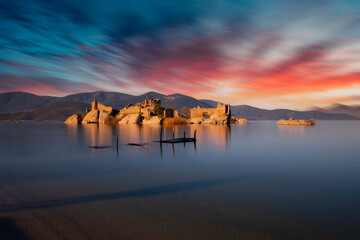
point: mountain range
(26, 106)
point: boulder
(74, 119)
(152, 120)
(91, 117)
(196, 120)
(131, 119)
(110, 120)
(103, 115)
(209, 121)
(242, 121)
(120, 116)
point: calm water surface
(254, 181)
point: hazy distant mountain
(210, 102)
(113, 99)
(25, 106)
(120, 100)
(344, 109)
(21, 101)
(253, 113)
(51, 111)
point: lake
(254, 181)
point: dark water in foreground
(255, 181)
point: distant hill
(120, 100)
(253, 113)
(340, 108)
(25, 106)
(210, 102)
(20, 101)
(51, 111)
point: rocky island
(299, 122)
(151, 112)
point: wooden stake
(117, 142)
(195, 134)
(173, 133)
(161, 133)
(184, 134)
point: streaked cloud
(243, 52)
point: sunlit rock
(134, 118)
(152, 120)
(291, 121)
(74, 119)
(103, 115)
(91, 117)
(242, 121)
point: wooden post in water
(195, 135)
(161, 133)
(117, 145)
(173, 134)
(184, 134)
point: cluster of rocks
(292, 121)
(151, 112)
(132, 114)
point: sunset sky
(269, 54)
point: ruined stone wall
(131, 110)
(145, 108)
(95, 105)
(220, 114)
(171, 113)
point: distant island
(15, 106)
(297, 122)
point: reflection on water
(106, 135)
(254, 181)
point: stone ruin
(170, 113)
(98, 113)
(147, 113)
(139, 112)
(219, 115)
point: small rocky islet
(297, 122)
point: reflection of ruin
(219, 115)
(98, 135)
(214, 134)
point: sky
(269, 54)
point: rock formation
(133, 118)
(74, 119)
(219, 115)
(151, 112)
(152, 120)
(291, 121)
(91, 117)
(169, 112)
(242, 121)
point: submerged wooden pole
(161, 133)
(117, 145)
(184, 134)
(195, 135)
(173, 134)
